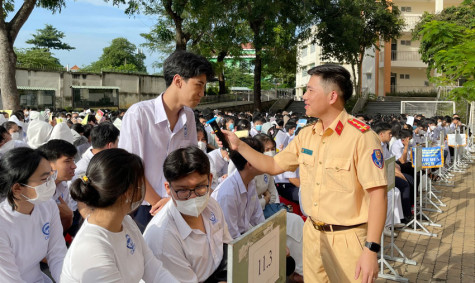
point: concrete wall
(133, 87)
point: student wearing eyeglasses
(189, 233)
(30, 226)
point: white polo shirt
(98, 255)
(26, 239)
(241, 207)
(189, 254)
(146, 132)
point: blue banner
(432, 157)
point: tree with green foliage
(274, 30)
(9, 31)
(346, 28)
(448, 47)
(121, 55)
(36, 58)
(49, 38)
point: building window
(89, 97)
(304, 72)
(406, 76)
(406, 42)
(401, 76)
(84, 76)
(76, 76)
(312, 48)
(406, 9)
(369, 76)
(40, 99)
(426, 83)
(304, 51)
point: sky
(88, 25)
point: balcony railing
(411, 21)
(415, 89)
(406, 56)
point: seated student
(30, 227)
(103, 136)
(61, 154)
(188, 234)
(220, 159)
(237, 194)
(109, 246)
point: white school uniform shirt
(26, 239)
(145, 131)
(264, 183)
(98, 255)
(62, 190)
(240, 206)
(397, 148)
(386, 153)
(81, 165)
(189, 254)
(220, 166)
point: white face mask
(439, 124)
(136, 204)
(432, 127)
(44, 192)
(411, 141)
(202, 146)
(15, 136)
(193, 206)
(270, 153)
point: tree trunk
(221, 79)
(10, 97)
(355, 82)
(8, 34)
(257, 78)
(360, 74)
(180, 37)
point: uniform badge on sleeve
(377, 157)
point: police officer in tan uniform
(343, 182)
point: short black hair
(187, 65)
(290, 125)
(103, 134)
(55, 149)
(185, 161)
(78, 128)
(405, 134)
(238, 160)
(243, 124)
(380, 127)
(336, 74)
(17, 166)
(264, 138)
(108, 179)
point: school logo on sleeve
(130, 244)
(45, 230)
(266, 179)
(185, 129)
(213, 218)
(377, 157)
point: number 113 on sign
(264, 259)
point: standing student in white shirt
(30, 227)
(109, 246)
(189, 233)
(154, 128)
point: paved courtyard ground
(449, 257)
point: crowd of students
(147, 194)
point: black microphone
(218, 133)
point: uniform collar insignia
(339, 128)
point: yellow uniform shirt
(337, 166)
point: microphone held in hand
(218, 133)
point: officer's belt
(323, 227)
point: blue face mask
(231, 126)
(414, 127)
(258, 128)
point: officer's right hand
(233, 140)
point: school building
(72, 89)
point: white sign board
(391, 172)
(258, 256)
(410, 120)
(456, 140)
